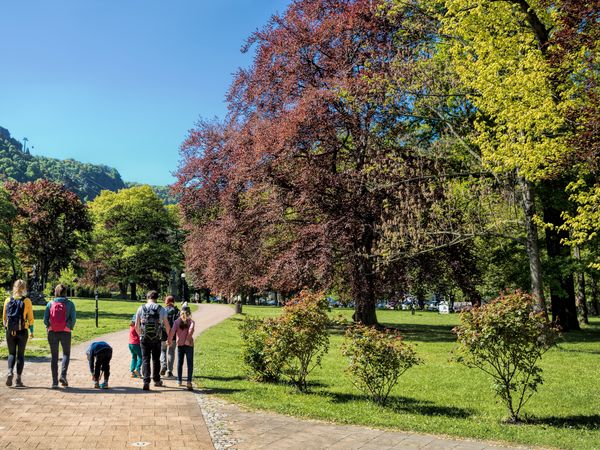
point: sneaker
(133, 375)
(18, 382)
(163, 371)
(190, 387)
(179, 383)
(170, 374)
(9, 379)
(96, 385)
(146, 387)
(104, 385)
(63, 381)
(137, 373)
(55, 386)
(158, 384)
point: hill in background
(86, 180)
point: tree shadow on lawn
(408, 405)
(424, 333)
(219, 378)
(591, 422)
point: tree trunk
(562, 291)
(362, 285)
(580, 301)
(594, 295)
(533, 250)
(133, 288)
(122, 290)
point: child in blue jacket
(99, 355)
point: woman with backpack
(59, 318)
(167, 352)
(17, 317)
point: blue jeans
(64, 338)
(186, 351)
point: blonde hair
(19, 288)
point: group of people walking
(155, 332)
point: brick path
(81, 417)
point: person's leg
(189, 353)
(53, 342)
(22, 335)
(146, 354)
(11, 342)
(156, 362)
(171, 357)
(163, 357)
(180, 353)
(106, 364)
(133, 364)
(65, 343)
(138, 350)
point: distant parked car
(432, 306)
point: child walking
(99, 355)
(183, 329)
(136, 350)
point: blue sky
(120, 82)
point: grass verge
(440, 396)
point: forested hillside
(86, 180)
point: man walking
(149, 322)
(59, 318)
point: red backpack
(58, 316)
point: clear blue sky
(120, 82)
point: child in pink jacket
(183, 328)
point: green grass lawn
(439, 396)
(114, 315)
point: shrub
(259, 357)
(506, 340)
(301, 337)
(377, 360)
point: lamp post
(183, 287)
(96, 294)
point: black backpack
(172, 314)
(150, 324)
(14, 315)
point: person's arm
(4, 314)
(47, 315)
(192, 328)
(72, 315)
(28, 313)
(166, 324)
(138, 328)
(172, 333)
(90, 356)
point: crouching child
(99, 355)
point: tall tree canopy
(133, 237)
(51, 225)
(321, 156)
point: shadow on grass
(218, 391)
(424, 333)
(125, 316)
(218, 378)
(408, 405)
(591, 422)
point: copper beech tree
(318, 159)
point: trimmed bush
(377, 360)
(506, 340)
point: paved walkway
(80, 417)
(243, 429)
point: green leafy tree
(132, 237)
(8, 255)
